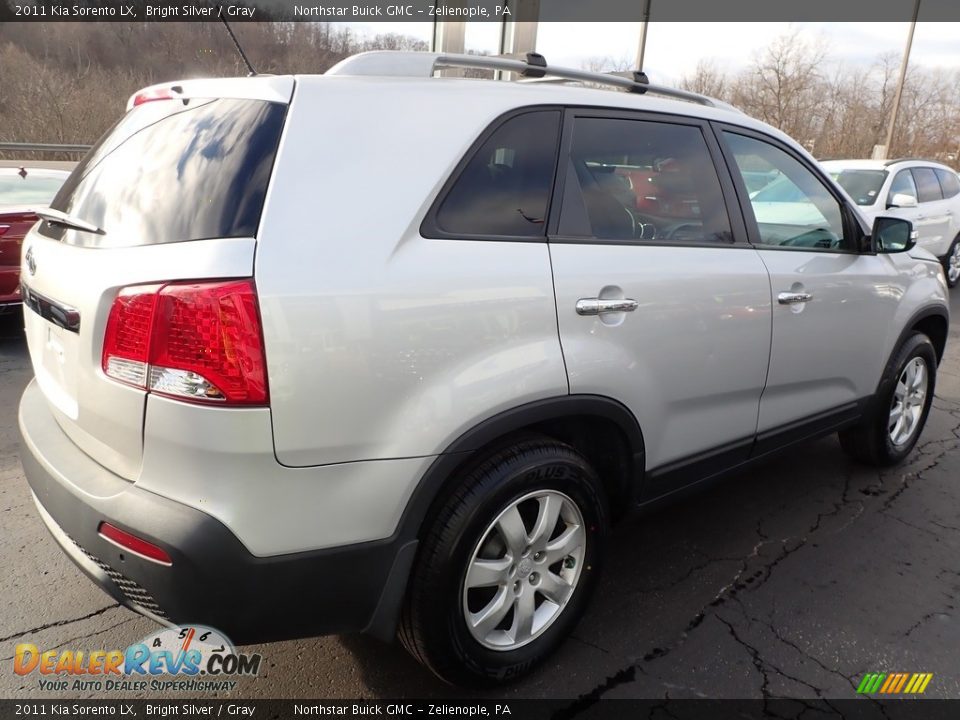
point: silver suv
(380, 351)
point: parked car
(924, 192)
(274, 399)
(22, 189)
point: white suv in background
(378, 351)
(924, 192)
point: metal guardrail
(43, 147)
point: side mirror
(893, 235)
(902, 200)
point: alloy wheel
(524, 570)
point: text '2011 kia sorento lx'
(301, 371)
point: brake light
(197, 341)
(133, 543)
(151, 94)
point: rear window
(176, 170)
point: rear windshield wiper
(61, 218)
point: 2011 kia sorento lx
(301, 370)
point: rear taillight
(198, 341)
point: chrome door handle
(597, 306)
(793, 298)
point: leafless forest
(67, 82)
(841, 111)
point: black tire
(433, 627)
(945, 260)
(870, 441)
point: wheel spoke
(523, 613)
(554, 588)
(901, 390)
(919, 371)
(897, 431)
(910, 374)
(513, 531)
(895, 414)
(546, 520)
(496, 610)
(565, 543)
(483, 573)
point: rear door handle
(794, 298)
(598, 306)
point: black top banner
(477, 10)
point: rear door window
(640, 180)
(928, 187)
(175, 170)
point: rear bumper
(213, 579)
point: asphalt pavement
(793, 579)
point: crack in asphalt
(85, 636)
(789, 546)
(59, 623)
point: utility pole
(643, 34)
(903, 75)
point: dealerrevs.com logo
(187, 658)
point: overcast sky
(673, 49)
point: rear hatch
(176, 189)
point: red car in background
(22, 190)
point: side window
(504, 188)
(903, 184)
(928, 187)
(637, 180)
(794, 209)
(949, 183)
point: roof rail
(532, 65)
(887, 163)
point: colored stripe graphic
(894, 683)
(914, 682)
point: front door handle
(599, 306)
(794, 298)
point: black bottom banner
(857, 709)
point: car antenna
(236, 43)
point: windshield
(30, 190)
(176, 170)
(862, 185)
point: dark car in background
(23, 189)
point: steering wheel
(644, 227)
(818, 238)
(673, 231)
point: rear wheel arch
(603, 430)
